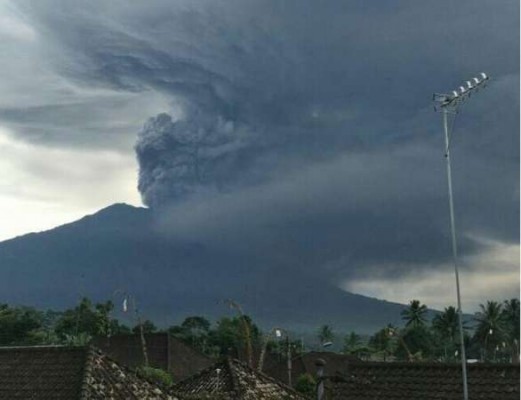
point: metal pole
(289, 360)
(455, 256)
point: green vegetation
(355, 345)
(492, 335)
(156, 375)
(415, 315)
(306, 384)
(325, 334)
(20, 325)
(228, 337)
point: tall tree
(19, 325)
(196, 325)
(491, 328)
(86, 318)
(445, 325)
(415, 314)
(352, 343)
(193, 330)
(325, 334)
(229, 336)
(511, 317)
(382, 342)
(415, 343)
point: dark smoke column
(194, 156)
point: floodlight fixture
(449, 104)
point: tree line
(25, 326)
(491, 335)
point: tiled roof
(231, 379)
(105, 379)
(57, 372)
(41, 372)
(164, 351)
(424, 381)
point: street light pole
(449, 103)
(455, 256)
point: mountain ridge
(118, 248)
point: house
(231, 379)
(69, 373)
(422, 381)
(163, 351)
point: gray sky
(297, 131)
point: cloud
(45, 187)
(493, 274)
(12, 24)
(42, 105)
(299, 134)
(341, 216)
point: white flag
(125, 304)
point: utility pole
(288, 355)
(449, 104)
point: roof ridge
(105, 359)
(87, 370)
(236, 387)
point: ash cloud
(194, 156)
(264, 94)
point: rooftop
(423, 381)
(60, 372)
(232, 379)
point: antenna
(449, 104)
(452, 100)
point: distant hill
(118, 248)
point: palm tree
(511, 318)
(325, 334)
(491, 329)
(352, 343)
(382, 342)
(415, 314)
(445, 325)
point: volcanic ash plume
(192, 156)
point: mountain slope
(118, 248)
